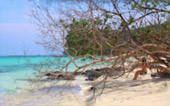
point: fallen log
(59, 76)
(91, 75)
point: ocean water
(15, 72)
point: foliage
(79, 38)
(124, 31)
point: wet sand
(120, 92)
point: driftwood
(96, 73)
(91, 75)
(59, 76)
(161, 74)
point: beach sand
(120, 92)
(145, 92)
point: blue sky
(16, 29)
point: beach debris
(91, 75)
(59, 76)
(161, 75)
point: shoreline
(123, 92)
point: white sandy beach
(120, 92)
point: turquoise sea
(16, 71)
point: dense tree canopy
(141, 22)
(79, 39)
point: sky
(17, 32)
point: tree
(127, 29)
(79, 35)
